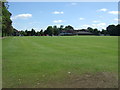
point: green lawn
(27, 60)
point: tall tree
(50, 31)
(112, 30)
(41, 33)
(26, 33)
(56, 30)
(7, 28)
(33, 32)
(61, 28)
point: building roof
(88, 33)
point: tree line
(8, 30)
(50, 31)
(112, 30)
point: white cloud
(114, 12)
(95, 21)
(21, 16)
(58, 21)
(98, 26)
(103, 9)
(85, 26)
(81, 18)
(101, 24)
(57, 12)
(116, 19)
(73, 3)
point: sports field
(60, 61)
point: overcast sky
(38, 15)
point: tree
(37, 33)
(45, 32)
(104, 32)
(7, 28)
(26, 33)
(56, 30)
(61, 28)
(22, 33)
(96, 31)
(50, 31)
(112, 30)
(33, 32)
(69, 28)
(118, 29)
(15, 32)
(90, 29)
(41, 33)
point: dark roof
(84, 33)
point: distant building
(75, 32)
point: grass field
(43, 61)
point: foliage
(69, 28)
(94, 31)
(7, 28)
(105, 32)
(50, 31)
(54, 30)
(114, 30)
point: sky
(80, 15)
